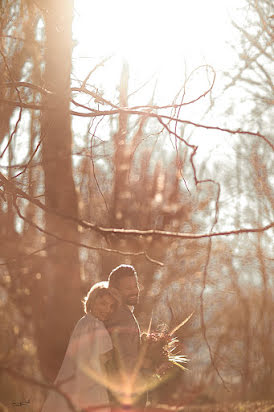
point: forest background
(98, 168)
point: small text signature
(21, 403)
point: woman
(82, 371)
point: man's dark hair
(121, 272)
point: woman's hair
(99, 289)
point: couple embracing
(102, 364)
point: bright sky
(154, 36)
(158, 38)
(161, 40)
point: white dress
(88, 342)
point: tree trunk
(61, 303)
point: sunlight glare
(162, 41)
(152, 34)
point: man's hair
(121, 272)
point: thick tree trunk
(61, 304)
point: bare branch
(93, 166)
(35, 382)
(10, 187)
(205, 273)
(25, 84)
(13, 132)
(94, 69)
(30, 160)
(98, 113)
(78, 244)
(26, 255)
(20, 110)
(32, 106)
(179, 105)
(96, 96)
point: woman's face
(104, 307)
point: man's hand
(161, 370)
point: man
(125, 334)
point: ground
(258, 406)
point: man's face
(129, 290)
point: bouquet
(161, 350)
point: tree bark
(61, 306)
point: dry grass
(258, 406)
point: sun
(153, 35)
(161, 40)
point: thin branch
(179, 235)
(205, 274)
(157, 116)
(96, 96)
(7, 36)
(179, 105)
(23, 105)
(138, 113)
(93, 166)
(82, 106)
(20, 110)
(26, 255)
(25, 84)
(10, 187)
(35, 382)
(78, 244)
(93, 70)
(13, 132)
(30, 160)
